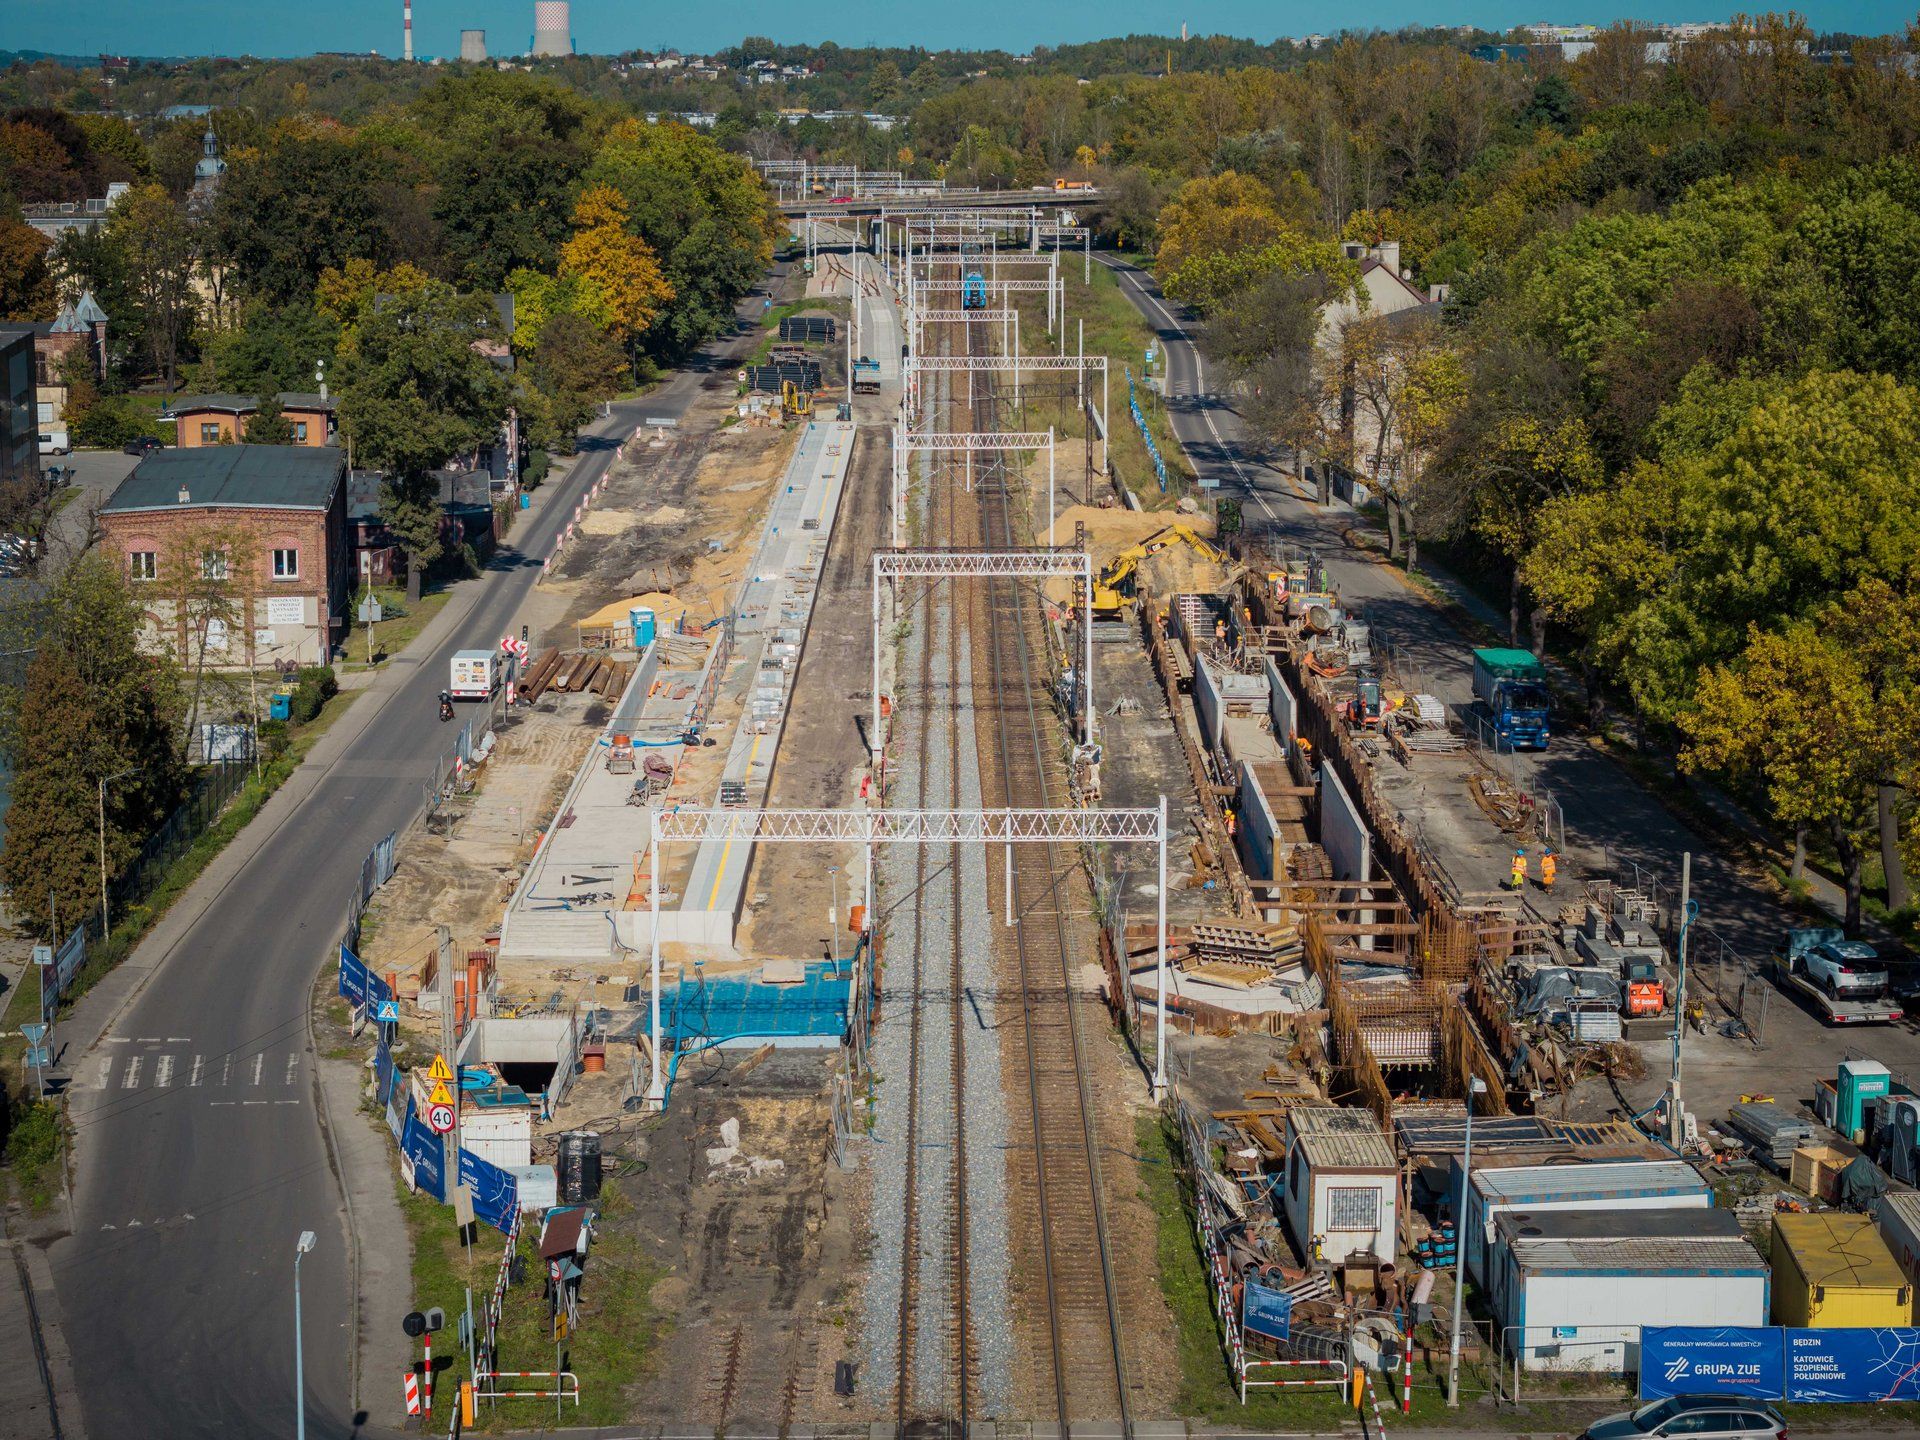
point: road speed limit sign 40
(440, 1118)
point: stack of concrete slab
(1773, 1133)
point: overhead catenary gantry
(877, 826)
(1033, 563)
(968, 443)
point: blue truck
(1510, 694)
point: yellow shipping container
(1833, 1269)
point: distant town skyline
(223, 27)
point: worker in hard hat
(1519, 880)
(1549, 864)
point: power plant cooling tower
(552, 28)
(473, 46)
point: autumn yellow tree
(619, 265)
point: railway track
(937, 983)
(1086, 1352)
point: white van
(54, 441)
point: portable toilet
(280, 705)
(642, 618)
(1863, 1083)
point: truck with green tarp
(1513, 706)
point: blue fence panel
(496, 1193)
(704, 1010)
(1858, 1366)
(353, 978)
(382, 1074)
(1717, 1360)
(428, 1153)
(1266, 1312)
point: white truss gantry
(867, 828)
(952, 317)
(910, 827)
(1033, 563)
(963, 442)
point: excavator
(1110, 588)
(795, 403)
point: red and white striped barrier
(1337, 1380)
(561, 1377)
(413, 1392)
(1373, 1398)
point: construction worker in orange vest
(1548, 864)
(1519, 880)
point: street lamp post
(833, 915)
(105, 781)
(1475, 1086)
(299, 1355)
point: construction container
(1832, 1269)
(1619, 1185)
(1899, 1219)
(1342, 1187)
(1572, 1289)
(1816, 1169)
(538, 1185)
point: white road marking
(259, 1063)
(194, 1078)
(255, 1102)
(118, 1040)
(293, 1062)
(226, 1070)
(131, 1077)
(163, 1071)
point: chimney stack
(406, 30)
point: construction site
(891, 822)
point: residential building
(222, 419)
(19, 432)
(53, 219)
(79, 326)
(248, 536)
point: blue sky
(180, 27)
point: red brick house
(213, 534)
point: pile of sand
(607, 522)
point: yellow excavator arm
(1108, 597)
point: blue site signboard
(1712, 1360)
(1824, 1366)
(1856, 1366)
(1267, 1312)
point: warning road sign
(439, 1070)
(440, 1118)
(440, 1095)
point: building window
(1353, 1207)
(143, 565)
(213, 565)
(209, 432)
(299, 432)
(286, 564)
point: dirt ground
(460, 868)
(756, 1247)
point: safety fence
(1146, 433)
(580, 509)
(469, 747)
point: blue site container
(526, 501)
(642, 619)
(280, 706)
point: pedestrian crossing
(241, 1078)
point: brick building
(222, 419)
(232, 529)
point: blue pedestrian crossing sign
(387, 1012)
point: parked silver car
(1712, 1416)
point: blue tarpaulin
(1766, 1362)
(383, 1074)
(703, 1011)
(496, 1193)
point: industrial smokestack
(406, 30)
(473, 46)
(552, 27)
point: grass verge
(1114, 328)
(786, 310)
(608, 1351)
(403, 620)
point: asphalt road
(200, 1157)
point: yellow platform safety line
(720, 872)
